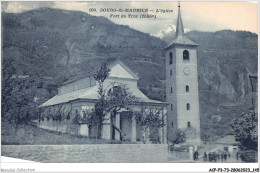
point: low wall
(65, 126)
(101, 153)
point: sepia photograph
(129, 82)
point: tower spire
(179, 26)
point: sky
(203, 16)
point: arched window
(171, 89)
(186, 56)
(188, 124)
(187, 88)
(172, 124)
(170, 72)
(115, 91)
(171, 107)
(170, 58)
(188, 106)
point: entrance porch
(125, 122)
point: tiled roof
(92, 94)
(64, 98)
(182, 40)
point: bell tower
(182, 92)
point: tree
(116, 98)
(20, 103)
(8, 71)
(112, 101)
(110, 104)
(205, 138)
(245, 130)
(150, 118)
(98, 117)
(179, 137)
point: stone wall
(102, 153)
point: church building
(181, 110)
(80, 95)
(182, 94)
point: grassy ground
(29, 135)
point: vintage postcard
(129, 82)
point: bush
(249, 156)
(245, 129)
(179, 137)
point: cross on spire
(179, 26)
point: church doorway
(122, 121)
(126, 125)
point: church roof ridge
(125, 66)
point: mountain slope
(62, 44)
(74, 42)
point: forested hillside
(59, 44)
